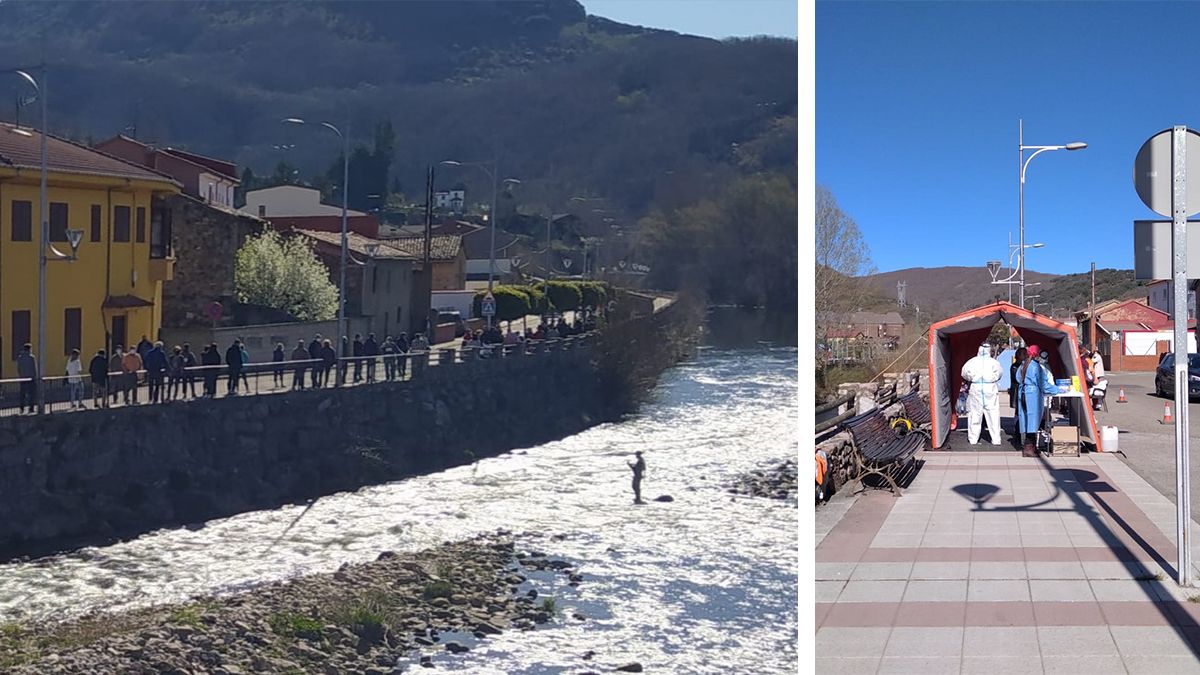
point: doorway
(118, 332)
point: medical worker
(1036, 383)
(983, 400)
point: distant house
(1160, 297)
(379, 282)
(446, 255)
(450, 199)
(1130, 334)
(295, 207)
(205, 231)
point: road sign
(516, 261)
(488, 305)
(1154, 177)
(566, 263)
(214, 310)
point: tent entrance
(955, 340)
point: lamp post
(345, 203)
(1023, 163)
(492, 173)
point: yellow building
(111, 293)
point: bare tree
(841, 259)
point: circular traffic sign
(1153, 173)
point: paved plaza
(993, 563)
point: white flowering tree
(284, 273)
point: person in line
(389, 358)
(1014, 388)
(314, 352)
(98, 371)
(639, 470)
(329, 358)
(74, 381)
(1100, 384)
(1036, 383)
(131, 363)
(211, 359)
(278, 357)
(189, 375)
(370, 350)
(175, 374)
(116, 373)
(156, 366)
(245, 363)
(983, 402)
(299, 354)
(1085, 369)
(402, 348)
(358, 353)
(27, 371)
(143, 348)
(233, 361)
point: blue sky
(916, 123)
(710, 18)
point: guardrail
(65, 393)
(861, 397)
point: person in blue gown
(1036, 383)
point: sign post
(1160, 174)
(488, 306)
(1179, 215)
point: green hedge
(565, 295)
(512, 302)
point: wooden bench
(915, 417)
(879, 450)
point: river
(707, 583)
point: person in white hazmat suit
(983, 399)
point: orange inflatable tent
(953, 341)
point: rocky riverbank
(776, 482)
(364, 618)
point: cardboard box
(1064, 441)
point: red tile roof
(22, 149)
(441, 246)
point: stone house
(446, 254)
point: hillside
(571, 104)
(947, 290)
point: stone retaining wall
(89, 476)
(836, 444)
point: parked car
(455, 317)
(1164, 376)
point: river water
(707, 583)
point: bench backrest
(915, 408)
(870, 430)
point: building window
(20, 331)
(121, 224)
(141, 225)
(160, 232)
(58, 221)
(72, 329)
(22, 221)
(96, 222)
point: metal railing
(67, 393)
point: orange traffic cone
(1121, 398)
(1167, 414)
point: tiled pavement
(993, 563)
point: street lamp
(43, 236)
(492, 173)
(1023, 163)
(345, 202)
(1012, 251)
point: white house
(450, 199)
(1161, 298)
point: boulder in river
(664, 498)
(631, 667)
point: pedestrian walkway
(993, 563)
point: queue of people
(171, 374)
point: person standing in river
(639, 469)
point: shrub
(511, 303)
(288, 624)
(594, 293)
(550, 606)
(537, 299)
(438, 589)
(565, 295)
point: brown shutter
(72, 329)
(59, 215)
(20, 331)
(121, 224)
(96, 210)
(22, 220)
(141, 225)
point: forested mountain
(572, 104)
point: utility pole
(427, 298)
(1092, 313)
